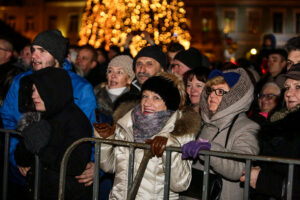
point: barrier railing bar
(96, 171)
(167, 175)
(5, 166)
(37, 173)
(247, 179)
(130, 167)
(290, 182)
(205, 177)
(139, 175)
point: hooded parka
(68, 124)
(242, 138)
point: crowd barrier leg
(5, 166)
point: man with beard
(49, 49)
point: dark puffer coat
(68, 124)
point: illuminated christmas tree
(110, 22)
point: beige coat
(116, 160)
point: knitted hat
(154, 52)
(125, 62)
(53, 42)
(293, 73)
(231, 78)
(169, 87)
(192, 58)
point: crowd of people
(55, 94)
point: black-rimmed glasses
(218, 92)
(267, 96)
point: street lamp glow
(253, 51)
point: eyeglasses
(218, 92)
(3, 49)
(267, 96)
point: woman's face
(292, 93)
(267, 99)
(37, 100)
(152, 102)
(117, 77)
(214, 100)
(194, 89)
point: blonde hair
(215, 81)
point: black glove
(37, 136)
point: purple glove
(192, 148)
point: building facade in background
(214, 24)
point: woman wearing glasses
(226, 127)
(267, 101)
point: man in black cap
(293, 48)
(188, 59)
(49, 49)
(149, 61)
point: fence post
(205, 177)
(247, 179)
(290, 182)
(130, 167)
(5, 166)
(167, 176)
(96, 171)
(37, 173)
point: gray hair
(272, 84)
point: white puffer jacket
(116, 160)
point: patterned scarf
(146, 126)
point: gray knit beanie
(125, 62)
(53, 42)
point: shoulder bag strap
(229, 130)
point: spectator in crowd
(269, 43)
(173, 49)
(58, 122)
(281, 139)
(277, 60)
(24, 58)
(114, 51)
(86, 63)
(119, 77)
(149, 61)
(228, 95)
(160, 120)
(7, 69)
(102, 60)
(293, 48)
(268, 99)
(194, 81)
(49, 49)
(188, 59)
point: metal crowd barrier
(133, 186)
(7, 134)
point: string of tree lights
(109, 22)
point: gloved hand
(192, 148)
(104, 129)
(158, 145)
(37, 136)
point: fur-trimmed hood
(189, 121)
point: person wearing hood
(160, 120)
(226, 97)
(50, 124)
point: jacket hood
(54, 86)
(188, 122)
(236, 101)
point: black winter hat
(281, 52)
(154, 52)
(192, 58)
(54, 43)
(166, 89)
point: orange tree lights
(109, 22)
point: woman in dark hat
(280, 138)
(160, 120)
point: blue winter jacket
(83, 96)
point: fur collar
(188, 123)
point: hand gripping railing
(133, 186)
(7, 134)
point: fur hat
(154, 52)
(192, 58)
(53, 42)
(169, 87)
(125, 62)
